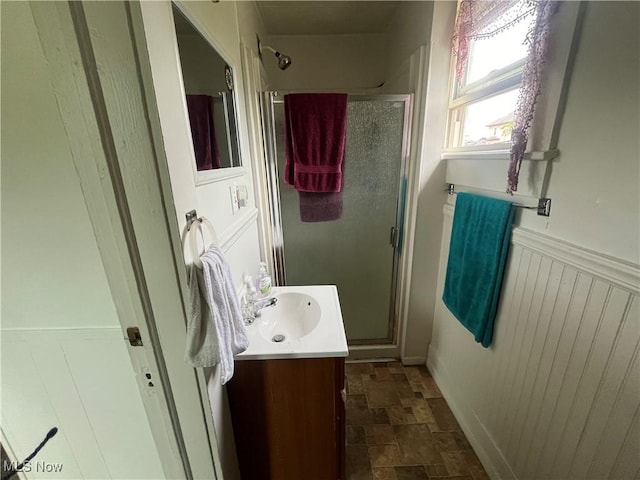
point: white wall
(327, 62)
(414, 51)
(250, 24)
(556, 395)
(594, 183)
(409, 29)
(51, 268)
(255, 81)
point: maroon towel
(203, 131)
(320, 207)
(315, 136)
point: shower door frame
(384, 346)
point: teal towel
(478, 251)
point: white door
(209, 193)
(64, 359)
(104, 196)
(78, 379)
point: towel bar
(543, 208)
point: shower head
(284, 61)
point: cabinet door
(341, 397)
(288, 418)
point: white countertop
(328, 339)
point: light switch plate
(233, 189)
(243, 196)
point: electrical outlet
(233, 189)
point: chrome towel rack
(194, 226)
(543, 208)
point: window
(494, 127)
(487, 73)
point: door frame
(369, 348)
(100, 96)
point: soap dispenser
(248, 301)
(263, 283)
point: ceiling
(326, 17)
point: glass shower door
(358, 252)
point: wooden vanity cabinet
(289, 418)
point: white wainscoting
(81, 381)
(557, 395)
(239, 242)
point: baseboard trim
(371, 360)
(372, 352)
(414, 360)
(489, 454)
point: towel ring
(193, 244)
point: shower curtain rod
(355, 97)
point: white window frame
(495, 83)
(501, 81)
(490, 173)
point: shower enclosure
(359, 253)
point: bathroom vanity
(287, 394)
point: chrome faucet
(251, 307)
(264, 303)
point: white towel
(202, 339)
(216, 331)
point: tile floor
(400, 428)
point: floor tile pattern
(400, 428)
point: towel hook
(191, 217)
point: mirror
(209, 86)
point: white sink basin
(305, 322)
(294, 316)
